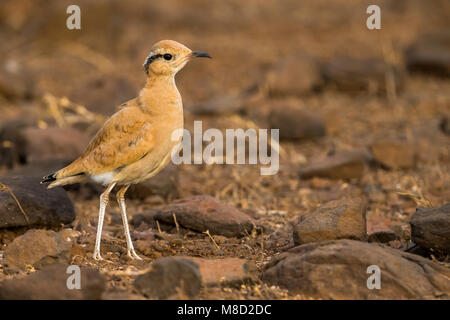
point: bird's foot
(133, 255)
(97, 256)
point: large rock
(293, 76)
(430, 54)
(45, 208)
(338, 270)
(394, 154)
(201, 213)
(167, 277)
(50, 283)
(430, 228)
(53, 142)
(37, 248)
(339, 219)
(342, 165)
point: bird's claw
(133, 255)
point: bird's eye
(167, 56)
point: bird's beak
(200, 54)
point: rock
(394, 154)
(350, 74)
(228, 271)
(222, 105)
(51, 143)
(44, 208)
(430, 228)
(342, 165)
(294, 122)
(338, 270)
(50, 283)
(170, 276)
(339, 219)
(293, 76)
(430, 54)
(201, 213)
(164, 184)
(37, 248)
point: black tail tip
(49, 178)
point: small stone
(200, 213)
(44, 208)
(50, 283)
(343, 165)
(37, 248)
(430, 228)
(168, 277)
(339, 219)
(394, 154)
(338, 270)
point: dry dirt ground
(100, 66)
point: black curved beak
(200, 54)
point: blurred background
(362, 113)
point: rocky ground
(364, 119)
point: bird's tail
(64, 176)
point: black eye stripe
(150, 59)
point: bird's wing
(124, 139)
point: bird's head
(167, 57)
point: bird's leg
(104, 198)
(121, 199)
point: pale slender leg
(121, 199)
(104, 198)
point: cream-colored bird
(135, 143)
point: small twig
(159, 228)
(214, 241)
(4, 187)
(176, 223)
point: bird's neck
(160, 95)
